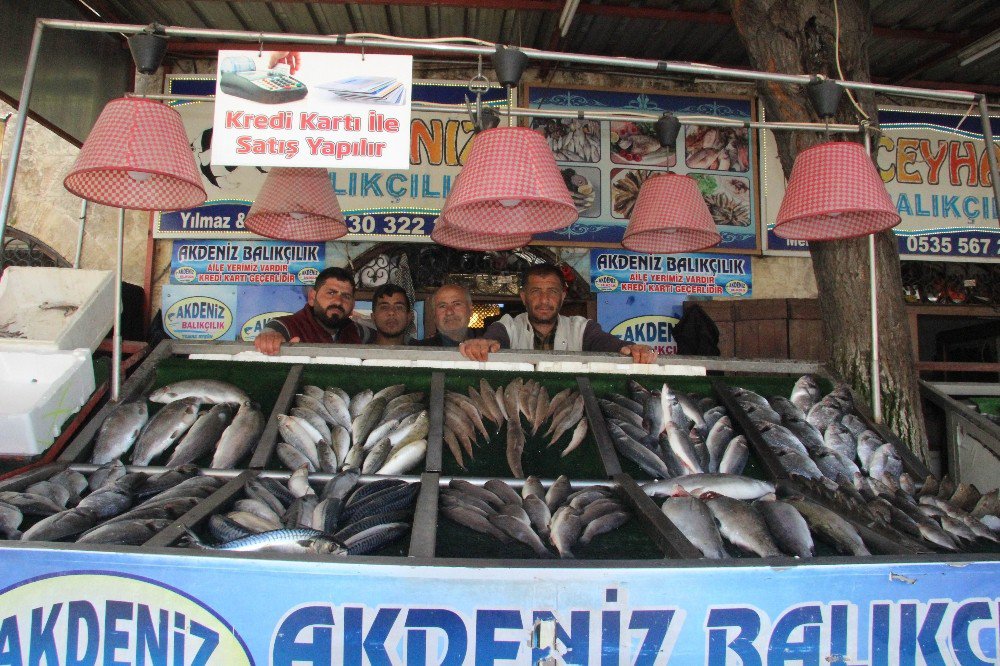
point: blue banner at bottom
(84, 607)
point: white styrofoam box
(55, 308)
(41, 390)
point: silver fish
(692, 517)
(253, 523)
(240, 437)
(63, 525)
(293, 541)
(805, 432)
(822, 415)
(337, 408)
(840, 439)
(567, 418)
(359, 402)
(639, 454)
(73, 481)
(579, 434)
(539, 514)
(291, 457)
(602, 525)
(375, 537)
(796, 463)
(831, 526)
(376, 457)
(475, 521)
(743, 526)
(165, 428)
(734, 460)
(404, 457)
(340, 443)
(533, 486)
(854, 424)
(203, 435)
(868, 443)
(367, 420)
(729, 485)
(125, 532)
(298, 482)
(106, 474)
(119, 431)
(515, 433)
(257, 508)
(565, 530)
(210, 391)
(410, 430)
(392, 392)
(779, 438)
(683, 450)
(787, 526)
(502, 491)
(558, 492)
(885, 460)
(805, 393)
(313, 419)
(55, 492)
(317, 406)
(540, 410)
(713, 415)
(718, 440)
(786, 408)
(293, 433)
(520, 532)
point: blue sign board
(686, 275)
(246, 262)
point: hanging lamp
(670, 216)
(834, 193)
(461, 239)
(297, 204)
(137, 156)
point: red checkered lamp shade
(137, 156)
(834, 193)
(670, 216)
(297, 205)
(448, 234)
(510, 184)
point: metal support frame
(476, 49)
(876, 376)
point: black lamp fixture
(667, 128)
(509, 64)
(825, 95)
(148, 48)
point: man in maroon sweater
(326, 317)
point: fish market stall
(971, 428)
(406, 506)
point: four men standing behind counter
(326, 318)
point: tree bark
(799, 37)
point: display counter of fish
(343, 516)
(550, 522)
(202, 421)
(465, 418)
(669, 433)
(828, 448)
(105, 506)
(328, 430)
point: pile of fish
(109, 506)
(559, 517)
(822, 440)
(668, 433)
(761, 525)
(463, 418)
(382, 432)
(344, 518)
(227, 429)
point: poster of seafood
(604, 163)
(936, 170)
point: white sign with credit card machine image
(301, 109)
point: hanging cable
(836, 57)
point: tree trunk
(798, 37)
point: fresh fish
(165, 428)
(795, 463)
(728, 485)
(240, 437)
(822, 415)
(805, 393)
(779, 438)
(211, 391)
(567, 418)
(885, 461)
(30, 504)
(932, 533)
(602, 525)
(392, 392)
(682, 449)
(538, 513)
(637, 391)
(487, 406)
(598, 508)
(298, 483)
(558, 492)
(474, 521)
(107, 502)
(579, 434)
(355, 457)
(746, 396)
(256, 489)
(327, 458)
(672, 409)
(743, 526)
(533, 486)
(297, 541)
(540, 409)
(558, 402)
(692, 517)
(359, 402)
(488, 394)
(293, 433)
(410, 430)
(125, 532)
(224, 528)
(313, 419)
(639, 454)
(291, 457)
(55, 492)
(718, 440)
(340, 443)
(831, 526)
(786, 408)
(616, 411)
(203, 435)
(853, 424)
(375, 537)
(106, 474)
(840, 439)
(451, 441)
(119, 431)
(338, 409)
(805, 432)
(760, 414)
(376, 457)
(317, 406)
(734, 460)
(73, 481)
(257, 508)
(253, 523)
(520, 532)
(713, 415)
(404, 458)
(565, 530)
(787, 526)
(313, 391)
(504, 492)
(341, 485)
(367, 420)
(690, 408)
(836, 466)
(515, 433)
(627, 403)
(63, 525)
(868, 443)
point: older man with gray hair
(451, 305)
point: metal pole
(79, 238)
(22, 118)
(990, 154)
(487, 48)
(876, 377)
(116, 340)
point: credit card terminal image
(269, 86)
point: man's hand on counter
(639, 353)
(478, 349)
(269, 342)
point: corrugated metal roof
(916, 42)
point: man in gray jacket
(543, 290)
